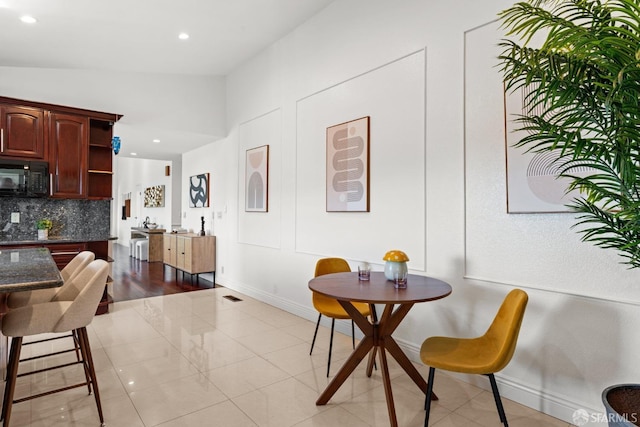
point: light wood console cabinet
(190, 253)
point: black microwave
(24, 178)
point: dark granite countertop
(52, 240)
(26, 269)
(148, 230)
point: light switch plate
(15, 217)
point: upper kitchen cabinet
(76, 143)
(100, 159)
(22, 132)
(68, 151)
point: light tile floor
(198, 359)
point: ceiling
(109, 35)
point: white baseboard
(305, 312)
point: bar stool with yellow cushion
(330, 307)
(75, 266)
(484, 355)
(84, 293)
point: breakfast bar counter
(24, 270)
(52, 240)
(156, 247)
(27, 269)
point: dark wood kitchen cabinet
(22, 132)
(68, 150)
(100, 159)
(76, 143)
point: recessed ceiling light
(156, 141)
(134, 154)
(183, 36)
(28, 19)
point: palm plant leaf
(583, 98)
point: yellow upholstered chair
(484, 355)
(330, 307)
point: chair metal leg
(12, 375)
(315, 333)
(76, 344)
(496, 396)
(333, 322)
(16, 345)
(85, 349)
(427, 399)
(9, 374)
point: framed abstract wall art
(534, 184)
(257, 179)
(154, 196)
(348, 166)
(199, 191)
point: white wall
(180, 110)
(579, 333)
(131, 177)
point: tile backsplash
(73, 219)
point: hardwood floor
(133, 279)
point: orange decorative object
(396, 264)
(396, 256)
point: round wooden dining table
(377, 340)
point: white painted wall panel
(535, 250)
(393, 97)
(261, 228)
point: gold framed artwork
(348, 166)
(154, 196)
(199, 191)
(257, 179)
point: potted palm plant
(583, 79)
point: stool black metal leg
(16, 345)
(76, 344)
(85, 348)
(10, 366)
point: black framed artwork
(199, 191)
